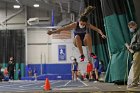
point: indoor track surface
(64, 86)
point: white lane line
(15, 83)
(67, 83)
(55, 82)
(60, 86)
(52, 83)
(31, 84)
(9, 85)
(63, 85)
(83, 83)
(13, 88)
(63, 89)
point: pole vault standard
(41, 63)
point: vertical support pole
(26, 43)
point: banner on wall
(62, 52)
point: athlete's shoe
(82, 58)
(93, 55)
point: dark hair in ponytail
(88, 10)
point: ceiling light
(16, 6)
(36, 5)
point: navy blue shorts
(82, 36)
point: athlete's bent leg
(88, 42)
(78, 44)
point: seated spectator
(5, 72)
(30, 72)
(79, 75)
(6, 75)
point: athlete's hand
(49, 32)
(103, 36)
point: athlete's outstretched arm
(67, 27)
(96, 29)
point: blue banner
(62, 52)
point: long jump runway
(29, 86)
(61, 86)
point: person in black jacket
(11, 68)
(1, 75)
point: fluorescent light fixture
(36, 5)
(16, 6)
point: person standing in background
(11, 68)
(90, 70)
(35, 73)
(1, 75)
(19, 74)
(74, 67)
(134, 48)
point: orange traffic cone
(47, 85)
